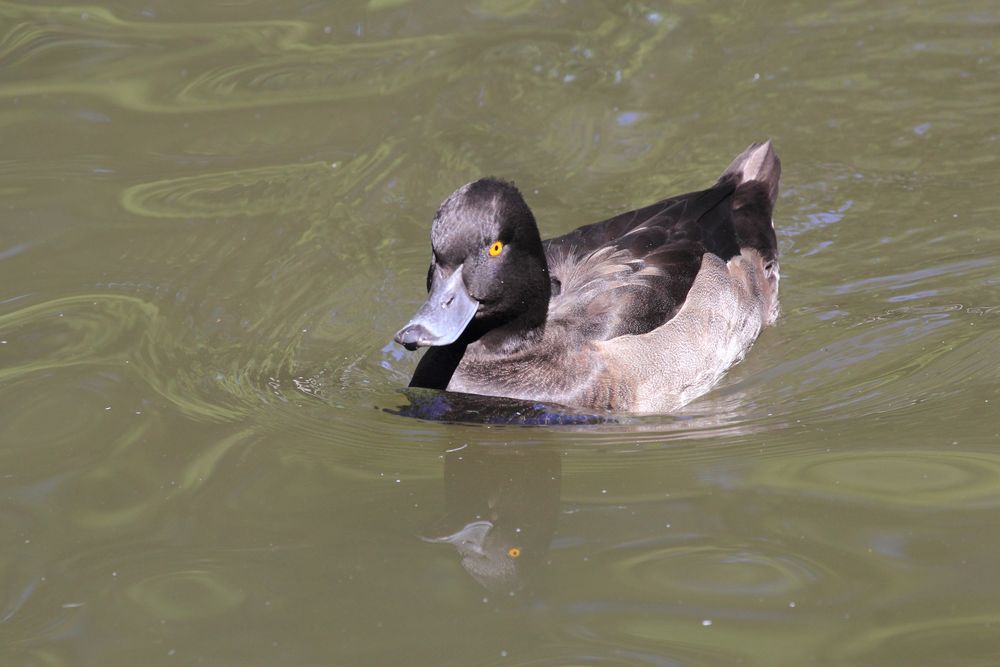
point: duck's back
(631, 273)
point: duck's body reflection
(501, 506)
(444, 406)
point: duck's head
(488, 269)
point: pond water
(216, 214)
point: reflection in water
(501, 505)
(454, 407)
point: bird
(639, 313)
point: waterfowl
(642, 312)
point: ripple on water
(257, 191)
(967, 640)
(670, 637)
(121, 492)
(716, 602)
(45, 413)
(908, 478)
(187, 594)
(167, 584)
(84, 329)
(883, 365)
(102, 339)
(304, 73)
(280, 61)
(137, 588)
(70, 365)
(283, 63)
(274, 190)
(734, 571)
(292, 62)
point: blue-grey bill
(470, 539)
(443, 317)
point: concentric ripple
(186, 594)
(909, 478)
(968, 640)
(282, 62)
(260, 191)
(735, 571)
(88, 328)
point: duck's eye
(514, 552)
(496, 248)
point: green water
(215, 215)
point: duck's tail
(758, 163)
(756, 172)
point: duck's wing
(631, 273)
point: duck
(639, 313)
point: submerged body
(641, 313)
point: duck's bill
(442, 318)
(470, 539)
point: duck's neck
(522, 322)
(511, 337)
(438, 364)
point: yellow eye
(513, 552)
(496, 248)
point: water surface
(215, 215)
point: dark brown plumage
(550, 320)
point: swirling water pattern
(216, 214)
